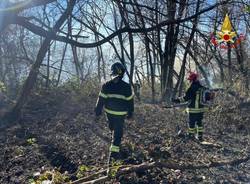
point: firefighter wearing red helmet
(195, 108)
(192, 76)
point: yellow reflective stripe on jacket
(103, 95)
(130, 97)
(119, 96)
(116, 96)
(114, 148)
(119, 113)
(194, 110)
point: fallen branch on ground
(168, 164)
(92, 176)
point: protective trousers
(116, 124)
(195, 124)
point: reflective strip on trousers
(200, 129)
(119, 113)
(114, 148)
(194, 110)
(191, 130)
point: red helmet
(192, 76)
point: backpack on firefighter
(207, 96)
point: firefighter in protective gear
(117, 99)
(195, 108)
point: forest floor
(58, 132)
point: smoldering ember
(124, 92)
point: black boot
(114, 156)
(200, 133)
(200, 137)
(191, 136)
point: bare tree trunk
(103, 63)
(183, 67)
(76, 62)
(100, 59)
(148, 70)
(169, 53)
(243, 61)
(219, 58)
(137, 74)
(148, 53)
(74, 52)
(132, 58)
(246, 73)
(48, 67)
(61, 64)
(79, 72)
(30, 81)
(142, 70)
(98, 65)
(230, 75)
(158, 32)
(124, 16)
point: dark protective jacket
(116, 97)
(194, 95)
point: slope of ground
(58, 131)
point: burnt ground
(66, 137)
